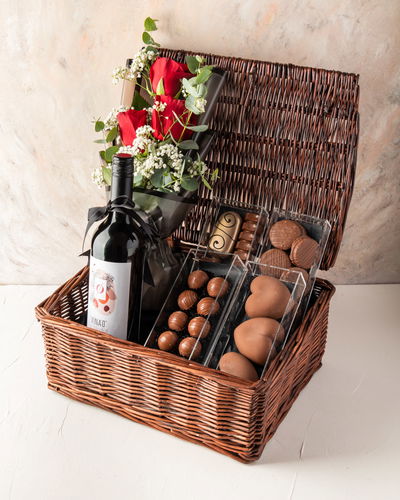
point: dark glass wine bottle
(116, 264)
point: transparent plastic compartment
(215, 210)
(236, 315)
(317, 229)
(234, 271)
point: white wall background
(56, 58)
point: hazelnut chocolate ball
(199, 326)
(217, 287)
(186, 347)
(187, 299)
(177, 321)
(197, 279)
(207, 306)
(167, 341)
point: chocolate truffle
(186, 347)
(167, 341)
(199, 326)
(177, 321)
(207, 306)
(304, 252)
(269, 298)
(284, 232)
(274, 257)
(187, 299)
(236, 364)
(226, 231)
(217, 287)
(254, 338)
(197, 279)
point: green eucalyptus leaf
(103, 155)
(150, 24)
(198, 128)
(146, 38)
(206, 183)
(190, 89)
(137, 179)
(98, 126)
(214, 175)
(189, 144)
(157, 179)
(190, 105)
(106, 175)
(112, 134)
(100, 141)
(203, 75)
(199, 59)
(160, 87)
(192, 63)
(110, 152)
(189, 183)
(139, 102)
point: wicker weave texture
(227, 414)
(286, 136)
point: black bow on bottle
(122, 205)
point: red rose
(128, 122)
(164, 121)
(171, 72)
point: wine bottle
(116, 264)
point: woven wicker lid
(286, 136)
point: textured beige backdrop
(56, 58)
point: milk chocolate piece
(186, 347)
(304, 252)
(199, 326)
(197, 279)
(243, 245)
(246, 235)
(242, 254)
(268, 299)
(217, 287)
(225, 234)
(251, 216)
(177, 321)
(283, 233)
(187, 299)
(207, 306)
(274, 257)
(167, 340)
(236, 364)
(249, 226)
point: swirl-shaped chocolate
(225, 234)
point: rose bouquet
(162, 123)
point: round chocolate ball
(197, 279)
(199, 326)
(186, 347)
(217, 287)
(187, 299)
(177, 321)
(167, 341)
(207, 306)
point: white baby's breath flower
(97, 177)
(111, 119)
(200, 103)
(139, 62)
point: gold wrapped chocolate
(225, 234)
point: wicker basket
(286, 137)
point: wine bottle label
(108, 300)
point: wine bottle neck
(121, 186)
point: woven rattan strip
(287, 137)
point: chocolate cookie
(304, 252)
(274, 257)
(284, 232)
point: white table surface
(341, 439)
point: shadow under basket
(286, 138)
(230, 415)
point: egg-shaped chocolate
(236, 364)
(199, 327)
(177, 321)
(254, 338)
(187, 299)
(167, 341)
(217, 287)
(269, 298)
(197, 279)
(207, 306)
(186, 347)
